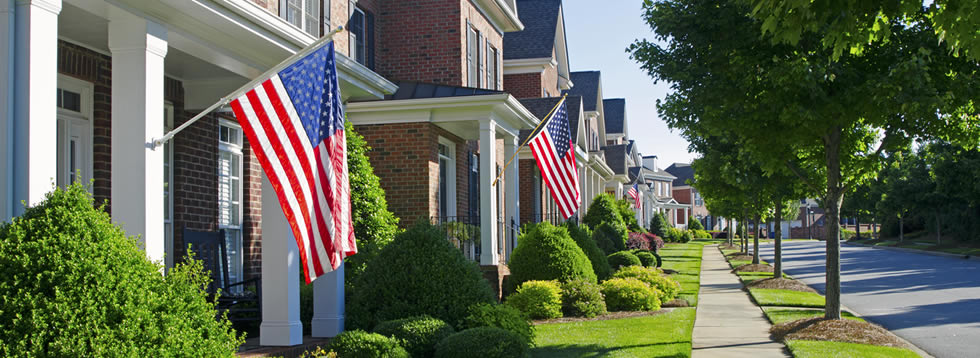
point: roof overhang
(502, 13)
(459, 115)
(528, 65)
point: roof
(634, 173)
(537, 40)
(587, 86)
(616, 158)
(540, 107)
(415, 90)
(615, 110)
(683, 172)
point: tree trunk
(731, 233)
(874, 227)
(833, 201)
(901, 229)
(777, 268)
(939, 229)
(755, 242)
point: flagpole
(156, 142)
(528, 139)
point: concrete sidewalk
(728, 324)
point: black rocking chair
(241, 300)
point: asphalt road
(931, 301)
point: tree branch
(798, 173)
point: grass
(663, 335)
(808, 349)
(686, 260)
(749, 277)
(787, 298)
(780, 315)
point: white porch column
(280, 275)
(138, 47)
(328, 304)
(7, 28)
(687, 218)
(673, 215)
(31, 122)
(488, 197)
(512, 193)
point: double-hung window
(447, 179)
(304, 14)
(491, 67)
(472, 57)
(230, 194)
(360, 30)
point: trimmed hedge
(630, 294)
(603, 210)
(694, 224)
(484, 342)
(500, 316)
(611, 237)
(360, 344)
(622, 259)
(580, 298)
(647, 258)
(546, 253)
(418, 273)
(72, 284)
(583, 237)
(418, 335)
(538, 299)
(667, 288)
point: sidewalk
(728, 324)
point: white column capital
(52, 6)
(128, 32)
(488, 124)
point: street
(931, 301)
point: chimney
(650, 162)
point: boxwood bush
(538, 299)
(580, 298)
(667, 288)
(420, 272)
(547, 252)
(647, 258)
(360, 344)
(484, 342)
(500, 316)
(583, 237)
(622, 259)
(629, 294)
(73, 285)
(418, 335)
(602, 210)
(611, 237)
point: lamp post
(809, 222)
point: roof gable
(588, 86)
(682, 171)
(537, 40)
(615, 109)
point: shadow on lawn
(595, 350)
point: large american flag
(553, 150)
(637, 196)
(295, 123)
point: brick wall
(476, 19)
(682, 196)
(523, 85)
(251, 212)
(402, 156)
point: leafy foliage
(583, 237)
(547, 252)
(603, 210)
(647, 258)
(667, 288)
(420, 272)
(418, 335)
(630, 294)
(622, 259)
(658, 225)
(73, 284)
(360, 344)
(638, 241)
(625, 209)
(580, 298)
(538, 299)
(694, 224)
(610, 237)
(500, 316)
(488, 342)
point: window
(230, 194)
(447, 179)
(304, 14)
(361, 32)
(168, 179)
(74, 131)
(472, 56)
(491, 67)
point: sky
(598, 33)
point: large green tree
(825, 118)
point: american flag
(294, 121)
(555, 154)
(637, 196)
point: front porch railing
(463, 232)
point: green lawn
(686, 260)
(749, 277)
(821, 349)
(772, 297)
(778, 315)
(663, 335)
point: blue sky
(598, 33)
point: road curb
(914, 251)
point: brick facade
(523, 85)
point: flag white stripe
(560, 167)
(548, 161)
(328, 170)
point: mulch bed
(753, 268)
(610, 315)
(729, 247)
(838, 330)
(782, 284)
(677, 302)
(739, 257)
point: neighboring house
(685, 193)
(588, 85)
(618, 160)
(621, 153)
(660, 183)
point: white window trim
(235, 149)
(284, 8)
(83, 118)
(360, 40)
(451, 175)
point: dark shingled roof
(615, 110)
(414, 90)
(682, 171)
(634, 173)
(540, 107)
(537, 40)
(616, 158)
(587, 86)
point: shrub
(623, 258)
(374, 225)
(538, 299)
(686, 236)
(547, 252)
(694, 224)
(625, 209)
(602, 210)
(418, 335)
(701, 234)
(656, 242)
(629, 294)
(484, 342)
(580, 298)
(658, 225)
(583, 237)
(646, 258)
(611, 237)
(667, 288)
(418, 273)
(72, 284)
(500, 316)
(638, 241)
(360, 344)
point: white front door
(74, 131)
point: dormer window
(304, 14)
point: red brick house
(688, 195)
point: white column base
(328, 304)
(281, 333)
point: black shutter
(479, 59)
(369, 33)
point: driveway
(932, 301)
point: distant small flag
(637, 196)
(553, 150)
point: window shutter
(479, 59)
(498, 70)
(325, 22)
(351, 36)
(369, 34)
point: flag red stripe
(545, 163)
(563, 173)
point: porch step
(252, 349)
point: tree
(625, 209)
(658, 225)
(825, 117)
